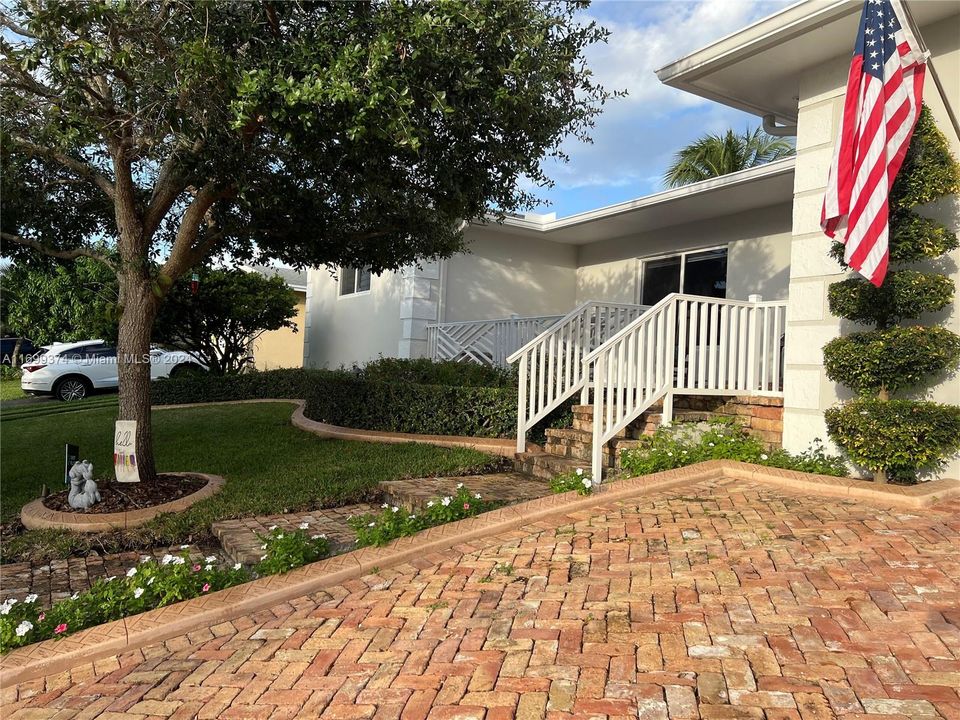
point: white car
(72, 371)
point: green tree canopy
(715, 155)
(316, 133)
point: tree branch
(78, 166)
(71, 254)
(8, 22)
(183, 254)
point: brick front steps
(501, 488)
(569, 448)
(148, 629)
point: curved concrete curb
(495, 446)
(52, 656)
(37, 516)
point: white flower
(7, 605)
(579, 471)
(208, 567)
(303, 525)
(279, 536)
(263, 547)
(137, 592)
(764, 457)
(178, 561)
(263, 557)
(145, 559)
(166, 559)
(131, 572)
(385, 506)
(111, 578)
(445, 501)
(75, 596)
(31, 598)
(587, 482)
(150, 581)
(272, 527)
(711, 444)
(211, 558)
(669, 454)
(321, 536)
(184, 547)
(23, 628)
(236, 566)
(459, 485)
(394, 509)
(371, 524)
(430, 503)
(476, 496)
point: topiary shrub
(890, 360)
(899, 438)
(904, 295)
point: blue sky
(636, 136)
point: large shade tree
(314, 133)
(714, 155)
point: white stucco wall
(504, 274)
(809, 323)
(758, 260)
(353, 328)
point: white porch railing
(552, 365)
(488, 342)
(684, 344)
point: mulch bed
(122, 497)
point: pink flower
(466, 506)
(61, 628)
(41, 617)
(205, 588)
(196, 568)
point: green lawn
(10, 389)
(270, 466)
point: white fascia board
(703, 187)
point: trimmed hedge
(413, 408)
(892, 359)
(902, 437)
(201, 387)
(904, 295)
(422, 371)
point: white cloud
(635, 136)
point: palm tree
(716, 155)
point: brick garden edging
(37, 516)
(53, 656)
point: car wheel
(185, 369)
(72, 388)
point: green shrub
(929, 171)
(422, 371)
(146, 586)
(574, 480)
(409, 408)
(901, 437)
(684, 444)
(912, 238)
(196, 388)
(893, 359)
(284, 550)
(904, 295)
(394, 521)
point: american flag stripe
(881, 107)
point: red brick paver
(725, 600)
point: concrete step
(503, 488)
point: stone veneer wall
(808, 391)
(761, 416)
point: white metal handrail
(488, 342)
(684, 344)
(552, 365)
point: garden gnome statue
(83, 489)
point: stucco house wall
(758, 246)
(808, 391)
(502, 274)
(282, 348)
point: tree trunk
(139, 307)
(880, 476)
(15, 358)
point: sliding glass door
(703, 272)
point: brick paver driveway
(724, 600)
